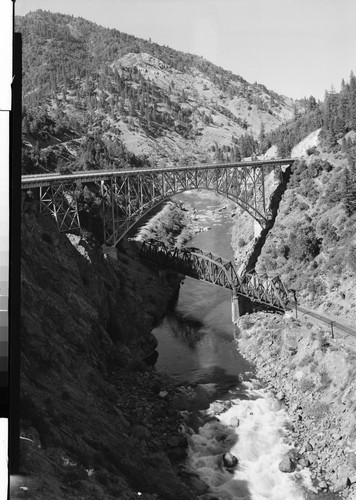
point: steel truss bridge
(213, 269)
(127, 195)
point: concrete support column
(235, 307)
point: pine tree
(349, 194)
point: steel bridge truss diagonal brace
(130, 197)
(60, 200)
(212, 269)
(129, 194)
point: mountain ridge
(140, 97)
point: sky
(297, 48)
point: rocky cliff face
(93, 422)
(314, 375)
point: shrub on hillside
(336, 262)
(306, 385)
(303, 206)
(334, 192)
(318, 410)
(351, 258)
(311, 151)
(315, 287)
(328, 231)
(307, 360)
(304, 243)
(325, 379)
(301, 171)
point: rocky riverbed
(313, 375)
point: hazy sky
(296, 47)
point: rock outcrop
(93, 424)
(229, 460)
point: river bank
(313, 374)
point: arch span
(128, 195)
(129, 198)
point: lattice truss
(60, 200)
(127, 198)
(129, 195)
(215, 270)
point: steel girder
(127, 195)
(213, 269)
(127, 198)
(60, 200)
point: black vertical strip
(15, 256)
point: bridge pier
(235, 307)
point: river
(198, 349)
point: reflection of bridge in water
(212, 269)
(128, 195)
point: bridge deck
(42, 180)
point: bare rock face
(287, 465)
(229, 460)
(91, 418)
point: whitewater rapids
(259, 443)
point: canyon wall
(94, 420)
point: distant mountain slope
(95, 96)
(335, 116)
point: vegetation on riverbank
(172, 225)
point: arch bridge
(213, 269)
(127, 195)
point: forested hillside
(336, 116)
(97, 98)
(313, 243)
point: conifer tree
(349, 195)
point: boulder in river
(304, 462)
(286, 465)
(229, 460)
(234, 422)
(218, 407)
(280, 395)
